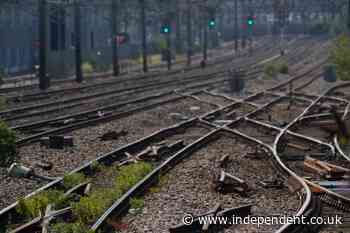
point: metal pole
(144, 39)
(236, 25)
(178, 28)
(244, 31)
(114, 41)
(43, 79)
(205, 39)
(77, 29)
(189, 32)
(251, 13)
(349, 15)
(168, 49)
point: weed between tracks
(7, 145)
(272, 70)
(88, 208)
(32, 207)
(74, 179)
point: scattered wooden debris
(87, 189)
(79, 189)
(228, 183)
(324, 169)
(153, 153)
(156, 152)
(32, 226)
(113, 135)
(42, 222)
(178, 116)
(47, 219)
(206, 227)
(276, 184)
(298, 147)
(224, 161)
(57, 141)
(47, 166)
(258, 153)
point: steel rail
(134, 189)
(308, 201)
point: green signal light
(250, 21)
(212, 23)
(165, 29)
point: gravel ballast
(188, 189)
(88, 144)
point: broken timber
(228, 183)
(324, 169)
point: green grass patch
(340, 57)
(8, 152)
(33, 206)
(88, 209)
(72, 180)
(137, 203)
(271, 70)
(87, 68)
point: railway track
(137, 123)
(154, 69)
(46, 127)
(73, 103)
(141, 225)
(327, 195)
(39, 114)
(22, 115)
(213, 122)
(26, 98)
(92, 112)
